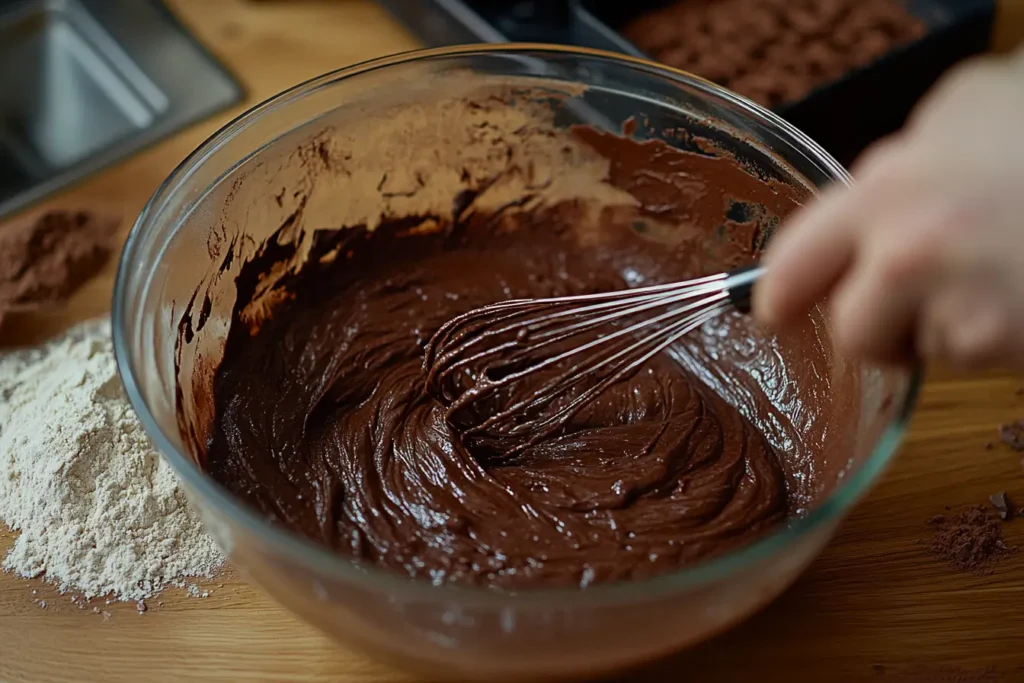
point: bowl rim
(334, 566)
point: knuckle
(956, 93)
(965, 75)
(979, 334)
(878, 157)
(908, 252)
(901, 264)
(886, 169)
(850, 340)
(975, 356)
(851, 333)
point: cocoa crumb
(1012, 434)
(45, 258)
(972, 541)
(1002, 505)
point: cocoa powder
(773, 51)
(45, 258)
(972, 541)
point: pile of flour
(99, 513)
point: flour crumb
(197, 592)
(98, 510)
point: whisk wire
(664, 295)
(502, 344)
(540, 428)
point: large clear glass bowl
(226, 190)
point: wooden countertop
(873, 599)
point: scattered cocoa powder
(971, 541)
(45, 258)
(773, 51)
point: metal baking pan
(844, 115)
(85, 83)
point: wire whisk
(515, 372)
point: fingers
(921, 255)
(875, 306)
(816, 248)
(865, 249)
(806, 260)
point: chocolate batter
(322, 422)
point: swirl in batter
(325, 426)
(322, 421)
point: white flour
(99, 512)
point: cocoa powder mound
(44, 259)
(773, 51)
(972, 541)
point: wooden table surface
(873, 601)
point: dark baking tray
(845, 115)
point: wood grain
(874, 599)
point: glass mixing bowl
(235, 189)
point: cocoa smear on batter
(320, 419)
(44, 259)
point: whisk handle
(740, 285)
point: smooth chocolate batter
(323, 423)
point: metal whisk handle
(740, 286)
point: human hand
(924, 256)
